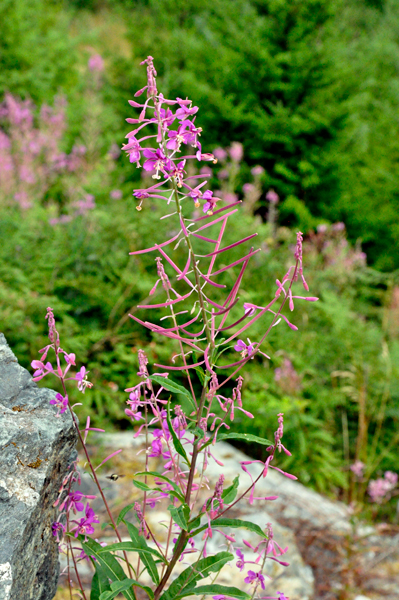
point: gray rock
(36, 450)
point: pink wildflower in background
(380, 489)
(257, 171)
(96, 63)
(357, 468)
(272, 197)
(220, 154)
(236, 151)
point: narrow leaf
(237, 524)
(230, 493)
(176, 442)
(120, 586)
(180, 515)
(131, 547)
(164, 478)
(142, 486)
(99, 583)
(247, 437)
(172, 386)
(147, 559)
(124, 511)
(229, 592)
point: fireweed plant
(181, 438)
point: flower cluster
(381, 489)
(30, 156)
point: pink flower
(96, 63)
(85, 524)
(181, 136)
(247, 188)
(81, 377)
(74, 501)
(156, 161)
(132, 149)
(156, 448)
(250, 309)
(338, 226)
(236, 151)
(61, 403)
(58, 530)
(220, 153)
(241, 560)
(223, 174)
(380, 489)
(272, 197)
(41, 369)
(391, 478)
(245, 349)
(70, 358)
(184, 111)
(357, 468)
(116, 194)
(257, 171)
(210, 203)
(255, 578)
(134, 415)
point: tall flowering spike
(52, 331)
(298, 256)
(143, 362)
(237, 391)
(162, 275)
(151, 75)
(280, 430)
(219, 491)
(143, 528)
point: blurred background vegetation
(310, 88)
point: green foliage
(108, 564)
(37, 55)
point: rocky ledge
(36, 449)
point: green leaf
(108, 563)
(142, 486)
(131, 547)
(230, 492)
(172, 386)
(147, 559)
(186, 579)
(247, 437)
(120, 586)
(195, 522)
(180, 515)
(159, 476)
(99, 583)
(124, 511)
(216, 588)
(235, 524)
(176, 442)
(201, 374)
